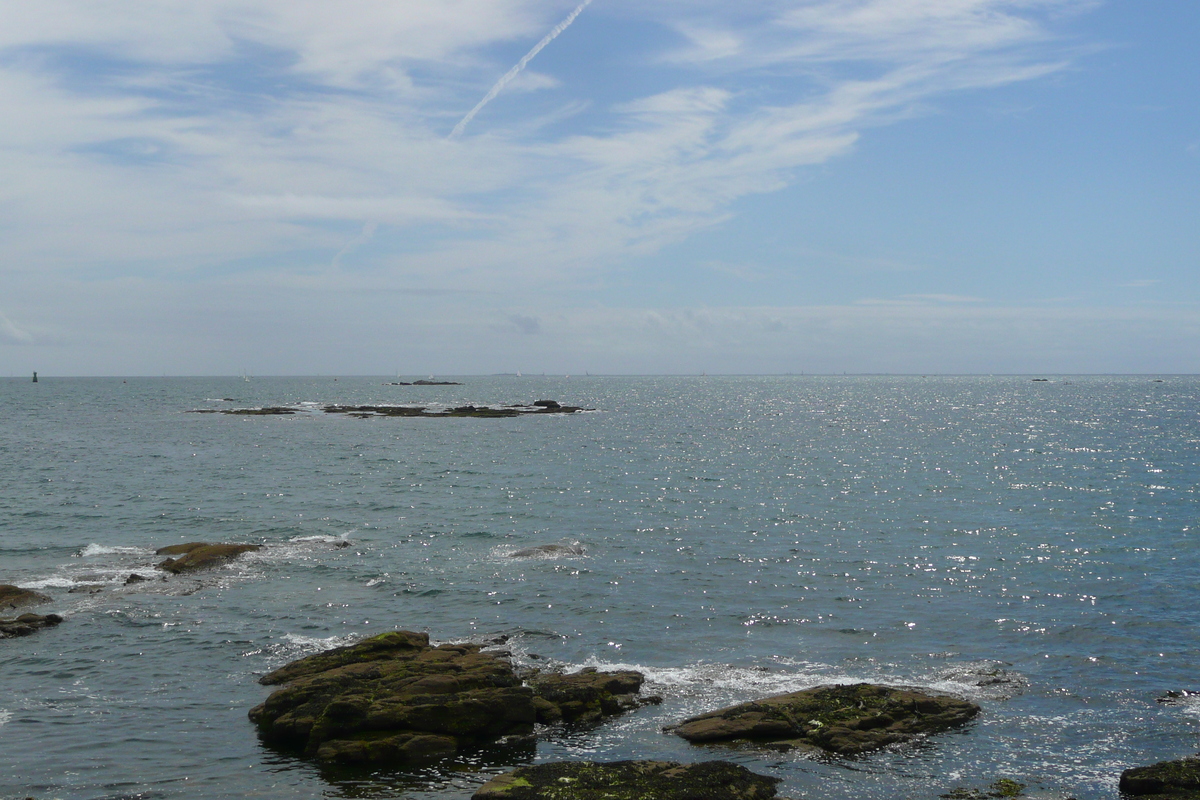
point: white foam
(107, 550)
(5, 716)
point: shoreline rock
(27, 624)
(200, 555)
(395, 699)
(14, 597)
(1178, 779)
(846, 719)
(629, 780)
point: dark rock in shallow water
(1180, 698)
(397, 700)
(27, 624)
(549, 551)
(844, 719)
(201, 555)
(15, 597)
(1167, 779)
(587, 696)
(629, 780)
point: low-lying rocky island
(538, 407)
(395, 699)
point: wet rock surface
(843, 719)
(629, 780)
(200, 555)
(587, 696)
(1167, 779)
(12, 597)
(395, 699)
(27, 624)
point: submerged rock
(396, 699)
(27, 624)
(15, 597)
(629, 780)
(1166, 779)
(201, 555)
(550, 551)
(844, 719)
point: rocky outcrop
(629, 780)
(550, 551)
(15, 597)
(27, 624)
(1167, 779)
(396, 699)
(486, 412)
(844, 719)
(201, 555)
(587, 696)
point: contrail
(512, 73)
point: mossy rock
(394, 699)
(999, 790)
(629, 780)
(201, 555)
(843, 719)
(1167, 779)
(15, 597)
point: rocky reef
(27, 624)
(395, 699)
(843, 719)
(629, 780)
(492, 412)
(13, 597)
(200, 555)
(1174, 780)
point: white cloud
(11, 334)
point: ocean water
(1029, 545)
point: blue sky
(966, 186)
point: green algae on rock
(1167, 779)
(843, 719)
(629, 780)
(15, 597)
(396, 699)
(201, 555)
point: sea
(1031, 545)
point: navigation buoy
(35, 377)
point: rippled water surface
(1030, 545)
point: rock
(550, 551)
(15, 597)
(1167, 779)
(394, 699)
(1179, 698)
(629, 780)
(27, 624)
(547, 403)
(201, 555)
(1000, 789)
(844, 719)
(134, 578)
(587, 696)
(427, 382)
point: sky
(455, 187)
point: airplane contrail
(512, 73)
